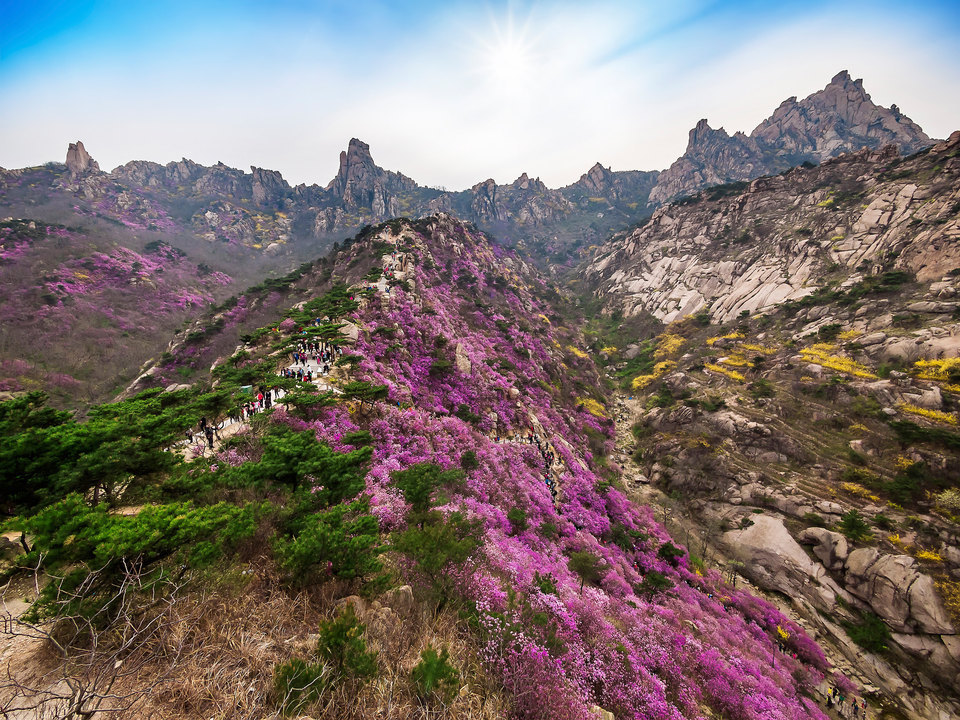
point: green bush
(468, 461)
(518, 520)
(439, 542)
(588, 566)
(871, 633)
(854, 526)
(670, 553)
(829, 333)
(342, 646)
(419, 482)
(654, 582)
(340, 542)
(296, 684)
(434, 678)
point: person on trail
(203, 424)
(208, 431)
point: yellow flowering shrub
(732, 374)
(902, 462)
(659, 370)
(849, 334)
(858, 490)
(763, 350)
(928, 556)
(576, 351)
(782, 634)
(936, 369)
(609, 349)
(668, 344)
(641, 381)
(544, 318)
(859, 427)
(735, 360)
(836, 362)
(736, 335)
(934, 415)
(592, 407)
(950, 592)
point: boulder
(462, 361)
(831, 548)
(774, 560)
(79, 160)
(401, 600)
(350, 331)
(896, 590)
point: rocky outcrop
(269, 188)
(775, 561)
(79, 161)
(602, 182)
(525, 201)
(712, 158)
(361, 184)
(840, 118)
(772, 240)
(897, 591)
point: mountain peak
(839, 118)
(841, 78)
(79, 160)
(361, 183)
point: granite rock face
(748, 248)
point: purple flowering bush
(471, 360)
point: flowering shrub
(935, 415)
(732, 374)
(820, 356)
(646, 636)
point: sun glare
(507, 58)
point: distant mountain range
(262, 211)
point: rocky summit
(677, 444)
(840, 118)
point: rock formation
(362, 184)
(772, 241)
(840, 118)
(79, 160)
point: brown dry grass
(230, 638)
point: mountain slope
(811, 436)
(742, 248)
(426, 457)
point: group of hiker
(546, 453)
(855, 709)
(208, 432)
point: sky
(449, 92)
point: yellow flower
(934, 415)
(592, 407)
(732, 374)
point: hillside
(798, 401)
(434, 526)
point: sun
(507, 56)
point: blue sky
(448, 92)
